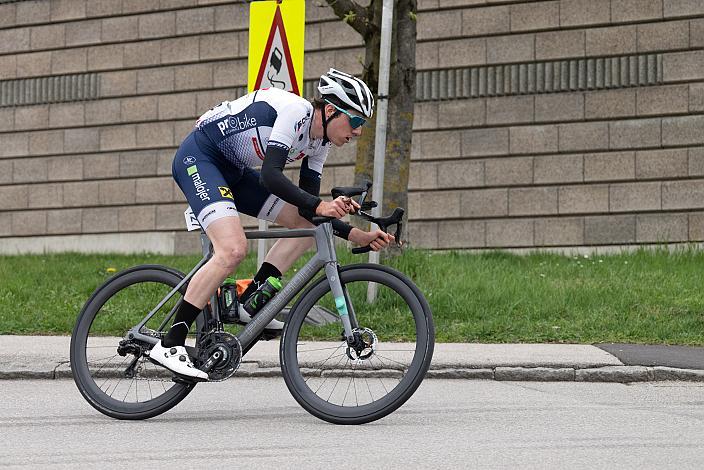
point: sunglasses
(355, 121)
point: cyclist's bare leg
(229, 249)
(286, 251)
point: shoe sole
(186, 378)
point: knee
(230, 256)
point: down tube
(254, 328)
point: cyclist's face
(340, 131)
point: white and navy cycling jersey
(242, 129)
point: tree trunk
(402, 92)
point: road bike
(345, 359)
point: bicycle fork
(342, 301)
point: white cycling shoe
(274, 324)
(176, 360)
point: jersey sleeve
(288, 122)
(309, 181)
(316, 161)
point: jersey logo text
(234, 123)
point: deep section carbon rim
(125, 386)
(354, 385)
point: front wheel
(354, 385)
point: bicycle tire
(291, 366)
(81, 371)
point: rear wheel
(359, 384)
(111, 371)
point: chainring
(230, 348)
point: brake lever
(384, 223)
(365, 206)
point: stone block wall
(561, 123)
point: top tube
(285, 233)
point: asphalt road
(255, 423)
(686, 357)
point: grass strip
(647, 296)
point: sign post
(276, 39)
(387, 14)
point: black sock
(185, 315)
(262, 275)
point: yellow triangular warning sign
(276, 68)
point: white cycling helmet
(347, 91)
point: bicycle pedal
(180, 379)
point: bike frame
(325, 257)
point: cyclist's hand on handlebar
(338, 207)
(375, 239)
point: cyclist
(214, 169)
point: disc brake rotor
(365, 344)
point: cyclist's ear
(329, 110)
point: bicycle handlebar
(383, 222)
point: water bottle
(229, 305)
(262, 295)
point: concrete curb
(614, 374)
(48, 358)
(617, 374)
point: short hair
(319, 103)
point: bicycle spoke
(128, 390)
(333, 388)
(320, 349)
(149, 385)
(348, 389)
(369, 389)
(354, 382)
(341, 356)
(321, 369)
(120, 379)
(101, 368)
(389, 359)
(382, 381)
(383, 366)
(328, 358)
(338, 381)
(101, 359)
(344, 354)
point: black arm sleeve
(273, 179)
(309, 181)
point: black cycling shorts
(215, 189)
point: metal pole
(387, 15)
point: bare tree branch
(353, 14)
